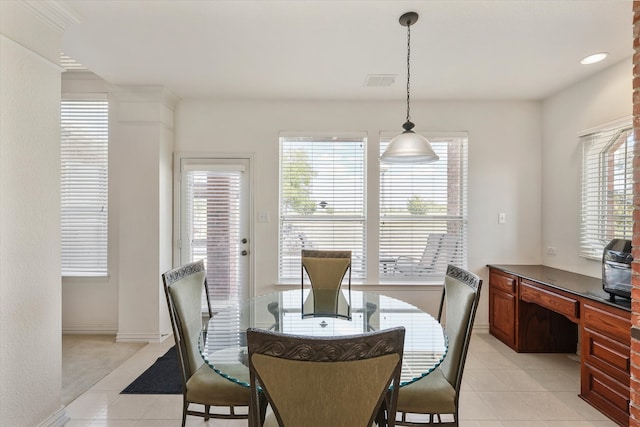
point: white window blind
(322, 199)
(84, 186)
(423, 213)
(607, 186)
(211, 220)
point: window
(607, 186)
(322, 199)
(422, 210)
(423, 213)
(84, 189)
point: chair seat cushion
(429, 395)
(209, 388)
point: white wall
(504, 175)
(600, 99)
(30, 325)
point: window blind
(607, 186)
(211, 218)
(423, 213)
(322, 199)
(84, 186)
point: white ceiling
(275, 49)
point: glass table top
(295, 312)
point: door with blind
(214, 224)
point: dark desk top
(573, 283)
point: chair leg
(207, 411)
(432, 419)
(185, 406)
(262, 408)
(382, 416)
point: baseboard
(90, 329)
(150, 338)
(481, 328)
(57, 419)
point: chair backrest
(461, 295)
(183, 288)
(432, 250)
(325, 381)
(326, 271)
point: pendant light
(409, 147)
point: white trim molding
(31, 53)
(57, 419)
(90, 329)
(150, 338)
(55, 14)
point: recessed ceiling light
(592, 59)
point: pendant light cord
(408, 69)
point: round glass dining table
(223, 346)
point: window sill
(374, 286)
(85, 279)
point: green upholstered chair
(201, 385)
(324, 381)
(326, 271)
(438, 393)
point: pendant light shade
(409, 147)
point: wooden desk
(534, 308)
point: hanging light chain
(409, 147)
(408, 69)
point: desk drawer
(568, 307)
(615, 326)
(606, 394)
(503, 282)
(608, 355)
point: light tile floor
(501, 388)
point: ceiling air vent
(380, 80)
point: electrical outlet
(551, 250)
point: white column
(30, 284)
(141, 155)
